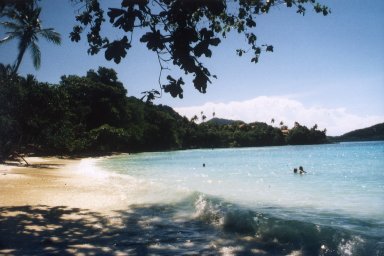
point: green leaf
(117, 50)
(153, 40)
(174, 87)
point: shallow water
(252, 196)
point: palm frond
(16, 15)
(35, 54)
(11, 25)
(36, 13)
(9, 13)
(51, 35)
(9, 37)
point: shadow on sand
(35, 166)
(142, 230)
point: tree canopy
(179, 32)
(92, 114)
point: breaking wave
(286, 234)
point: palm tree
(25, 26)
(194, 118)
(6, 71)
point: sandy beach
(79, 207)
(55, 182)
(66, 207)
(56, 206)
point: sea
(248, 201)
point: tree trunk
(19, 59)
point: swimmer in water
(302, 170)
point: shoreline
(73, 207)
(56, 182)
(66, 207)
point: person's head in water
(203, 164)
(295, 170)
(301, 170)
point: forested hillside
(375, 132)
(92, 114)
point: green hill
(375, 132)
(93, 115)
(222, 121)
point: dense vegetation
(92, 114)
(375, 132)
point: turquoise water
(336, 208)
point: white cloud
(337, 121)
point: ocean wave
(286, 234)
(197, 221)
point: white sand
(57, 182)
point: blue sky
(324, 70)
